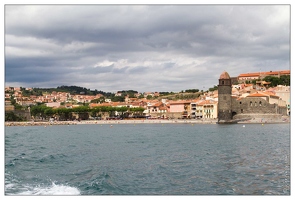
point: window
(259, 103)
(250, 103)
(240, 102)
(255, 103)
(222, 82)
(241, 110)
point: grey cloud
(72, 39)
(140, 70)
(98, 69)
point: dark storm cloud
(171, 47)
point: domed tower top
(224, 75)
(224, 79)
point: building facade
(242, 78)
(230, 108)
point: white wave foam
(53, 190)
(9, 185)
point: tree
(110, 110)
(82, 111)
(17, 106)
(149, 97)
(49, 112)
(122, 110)
(10, 116)
(64, 113)
(214, 88)
(95, 112)
(118, 99)
(140, 96)
(283, 80)
(12, 100)
(192, 90)
(99, 100)
(137, 111)
(38, 110)
(254, 81)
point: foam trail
(52, 190)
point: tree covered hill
(73, 90)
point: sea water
(148, 159)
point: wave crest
(52, 190)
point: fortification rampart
(274, 117)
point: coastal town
(204, 106)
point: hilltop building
(242, 78)
(259, 104)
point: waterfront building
(181, 109)
(209, 109)
(283, 92)
(255, 104)
(194, 110)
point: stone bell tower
(224, 98)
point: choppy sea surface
(148, 159)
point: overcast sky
(142, 47)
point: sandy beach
(145, 121)
(109, 122)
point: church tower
(224, 98)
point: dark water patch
(101, 183)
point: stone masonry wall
(256, 105)
(275, 117)
(224, 103)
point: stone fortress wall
(245, 108)
(252, 105)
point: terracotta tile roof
(207, 102)
(224, 75)
(179, 102)
(158, 104)
(271, 73)
(249, 74)
(262, 94)
(257, 95)
(135, 103)
(270, 94)
(99, 104)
